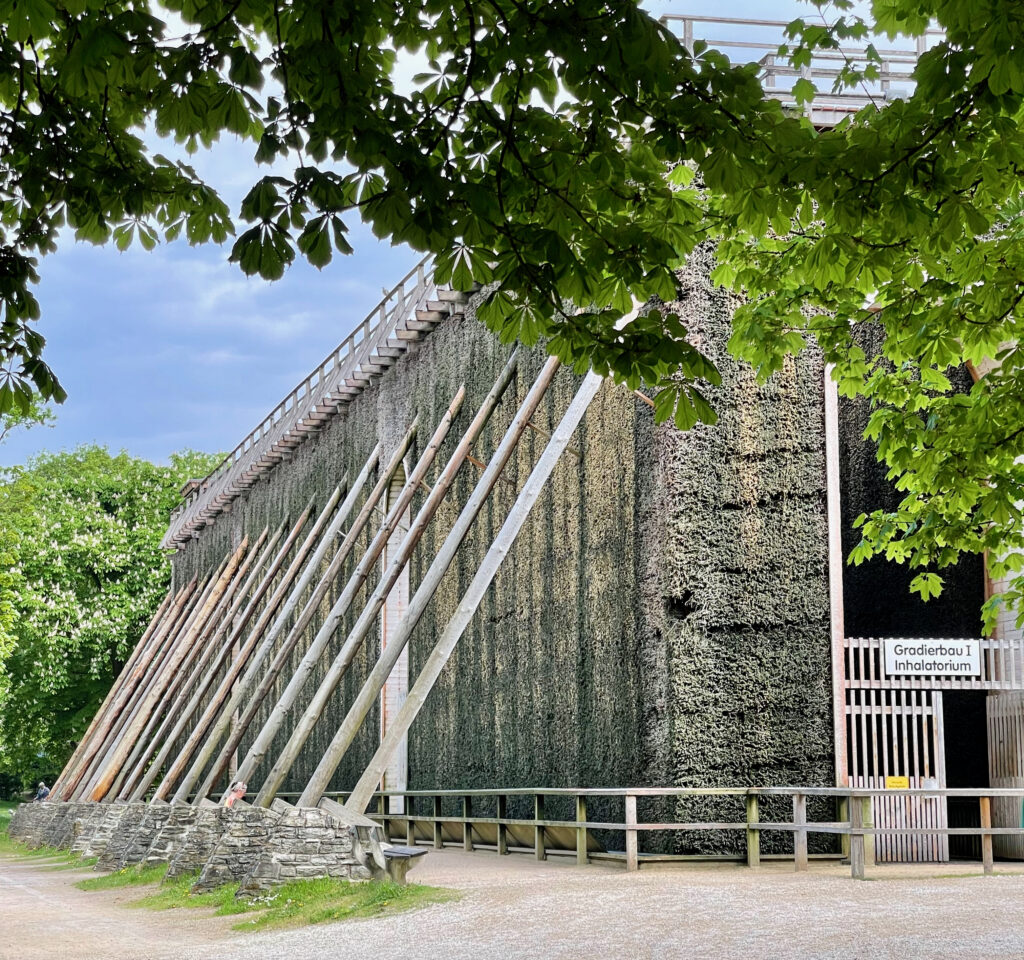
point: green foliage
(82, 575)
(531, 155)
(35, 415)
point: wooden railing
(322, 386)
(543, 834)
(758, 41)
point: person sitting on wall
(236, 792)
(42, 792)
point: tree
(531, 155)
(81, 574)
(36, 414)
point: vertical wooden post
(502, 828)
(382, 807)
(843, 816)
(467, 827)
(753, 833)
(836, 565)
(856, 838)
(410, 823)
(800, 836)
(540, 850)
(986, 838)
(581, 831)
(438, 826)
(867, 819)
(632, 851)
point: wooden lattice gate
(1006, 767)
(898, 733)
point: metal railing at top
(326, 379)
(543, 834)
(758, 41)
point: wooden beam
(122, 678)
(210, 673)
(366, 619)
(835, 576)
(120, 753)
(245, 700)
(153, 680)
(471, 599)
(200, 667)
(199, 729)
(123, 709)
(327, 582)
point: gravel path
(515, 908)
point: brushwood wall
(663, 616)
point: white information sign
(933, 658)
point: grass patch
(295, 904)
(305, 902)
(133, 876)
(177, 893)
(7, 808)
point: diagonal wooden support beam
(126, 709)
(200, 610)
(370, 690)
(123, 678)
(248, 576)
(355, 582)
(327, 581)
(199, 728)
(237, 715)
(471, 599)
(211, 671)
(117, 757)
(368, 615)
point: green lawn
(294, 904)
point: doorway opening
(966, 752)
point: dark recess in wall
(877, 600)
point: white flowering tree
(81, 573)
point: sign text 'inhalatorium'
(947, 658)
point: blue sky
(177, 348)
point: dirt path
(43, 914)
(513, 908)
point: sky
(176, 348)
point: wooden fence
(423, 820)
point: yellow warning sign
(897, 783)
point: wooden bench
(400, 860)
